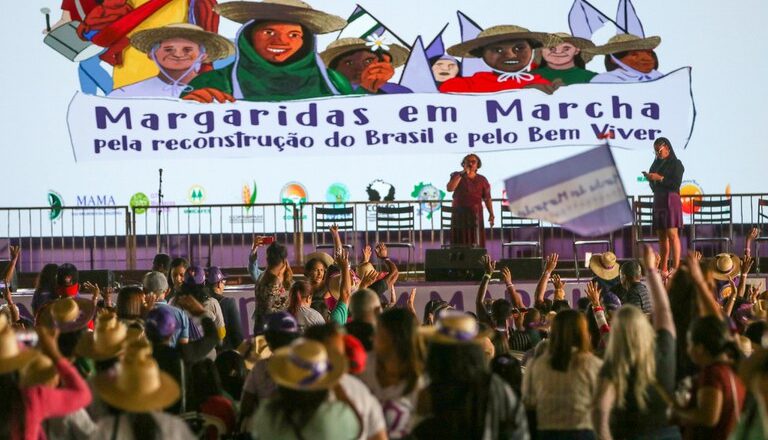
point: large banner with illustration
(275, 93)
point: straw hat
(306, 365)
(106, 341)
(456, 328)
(12, 358)
(322, 256)
(291, 11)
(40, 371)
(604, 265)
(496, 34)
(68, 314)
(725, 266)
(138, 385)
(216, 46)
(625, 42)
(344, 46)
(254, 350)
(581, 43)
(363, 269)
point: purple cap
(213, 275)
(610, 301)
(162, 320)
(195, 276)
(281, 322)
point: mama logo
(429, 197)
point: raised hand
(334, 228)
(209, 95)
(367, 251)
(412, 299)
(551, 262)
(190, 304)
(93, 289)
(506, 275)
(368, 279)
(15, 252)
(693, 258)
(649, 258)
(593, 293)
(489, 264)
(381, 251)
(558, 283)
(746, 264)
(342, 258)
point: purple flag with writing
(582, 193)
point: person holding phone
(665, 177)
(470, 191)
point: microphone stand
(159, 212)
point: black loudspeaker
(102, 278)
(4, 265)
(522, 268)
(454, 264)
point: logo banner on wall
(582, 193)
(629, 115)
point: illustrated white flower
(377, 42)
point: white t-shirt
(307, 317)
(365, 404)
(169, 426)
(396, 405)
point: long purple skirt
(667, 211)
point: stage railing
(122, 237)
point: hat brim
(166, 395)
(317, 22)
(17, 362)
(726, 276)
(601, 272)
(86, 348)
(87, 311)
(322, 256)
(464, 49)
(278, 363)
(216, 46)
(39, 377)
(398, 53)
(649, 43)
(430, 334)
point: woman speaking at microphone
(470, 191)
(665, 176)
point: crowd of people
(644, 355)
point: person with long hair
(561, 383)
(271, 294)
(665, 177)
(176, 275)
(563, 58)
(639, 369)
(23, 409)
(305, 373)
(464, 400)
(300, 300)
(45, 287)
(718, 393)
(470, 191)
(394, 368)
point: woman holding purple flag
(665, 177)
(470, 191)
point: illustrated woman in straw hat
(665, 177)
(305, 373)
(509, 51)
(628, 58)
(563, 58)
(179, 51)
(367, 64)
(137, 394)
(23, 409)
(275, 55)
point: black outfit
(637, 295)
(177, 360)
(232, 322)
(667, 206)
